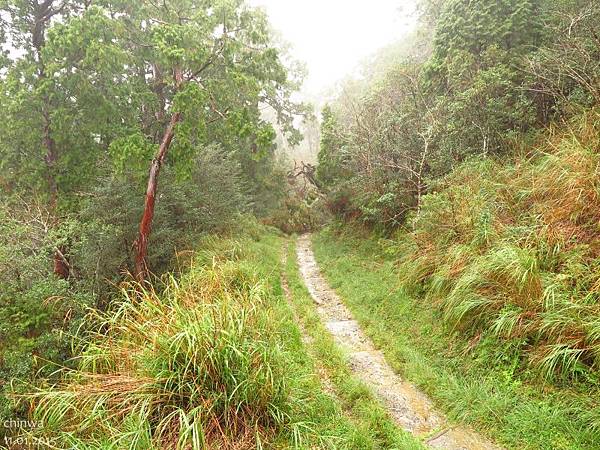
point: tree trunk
(62, 268)
(141, 243)
(43, 12)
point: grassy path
(373, 427)
(409, 408)
(469, 385)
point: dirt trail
(409, 407)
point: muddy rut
(409, 407)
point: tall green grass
(213, 360)
(475, 379)
(512, 251)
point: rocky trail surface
(410, 408)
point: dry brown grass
(194, 366)
(512, 250)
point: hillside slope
(511, 251)
(211, 359)
(488, 298)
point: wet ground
(409, 407)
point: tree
(27, 23)
(474, 71)
(208, 66)
(134, 84)
(566, 73)
(330, 157)
(393, 135)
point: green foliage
(497, 72)
(100, 84)
(214, 360)
(474, 27)
(186, 209)
(86, 101)
(388, 150)
(331, 151)
(299, 211)
(131, 153)
(206, 360)
(508, 251)
(36, 308)
(477, 51)
(567, 71)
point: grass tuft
(211, 359)
(512, 251)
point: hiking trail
(411, 409)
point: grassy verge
(472, 385)
(373, 428)
(213, 360)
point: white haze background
(333, 36)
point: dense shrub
(211, 199)
(37, 310)
(299, 212)
(566, 73)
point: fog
(333, 36)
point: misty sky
(333, 36)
